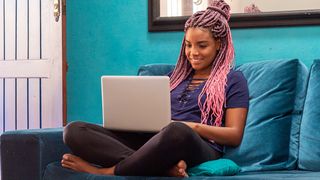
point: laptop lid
(136, 103)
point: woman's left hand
(192, 125)
(230, 134)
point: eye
(188, 45)
(202, 46)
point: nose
(194, 51)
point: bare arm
(231, 134)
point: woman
(209, 108)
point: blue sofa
(281, 138)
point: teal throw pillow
(220, 167)
(277, 90)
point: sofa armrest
(26, 153)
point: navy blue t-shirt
(184, 103)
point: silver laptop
(136, 103)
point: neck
(201, 74)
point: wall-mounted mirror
(170, 15)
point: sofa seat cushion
(55, 171)
(285, 174)
(276, 91)
(309, 152)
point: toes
(71, 157)
(181, 168)
(182, 164)
(183, 173)
(68, 163)
(65, 165)
(66, 156)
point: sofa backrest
(155, 69)
(276, 89)
(309, 151)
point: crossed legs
(120, 153)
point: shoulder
(237, 92)
(235, 76)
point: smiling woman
(166, 15)
(201, 49)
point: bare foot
(179, 170)
(76, 163)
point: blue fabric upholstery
(276, 90)
(271, 139)
(277, 175)
(25, 154)
(155, 69)
(310, 132)
(56, 172)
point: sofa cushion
(309, 152)
(277, 175)
(155, 69)
(26, 153)
(55, 171)
(276, 91)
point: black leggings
(138, 154)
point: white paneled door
(30, 65)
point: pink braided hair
(215, 18)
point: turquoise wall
(110, 37)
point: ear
(218, 44)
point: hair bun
(220, 6)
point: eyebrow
(198, 41)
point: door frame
(64, 62)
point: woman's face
(201, 49)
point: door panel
(10, 55)
(1, 79)
(52, 115)
(34, 53)
(22, 53)
(30, 65)
(1, 104)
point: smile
(196, 59)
